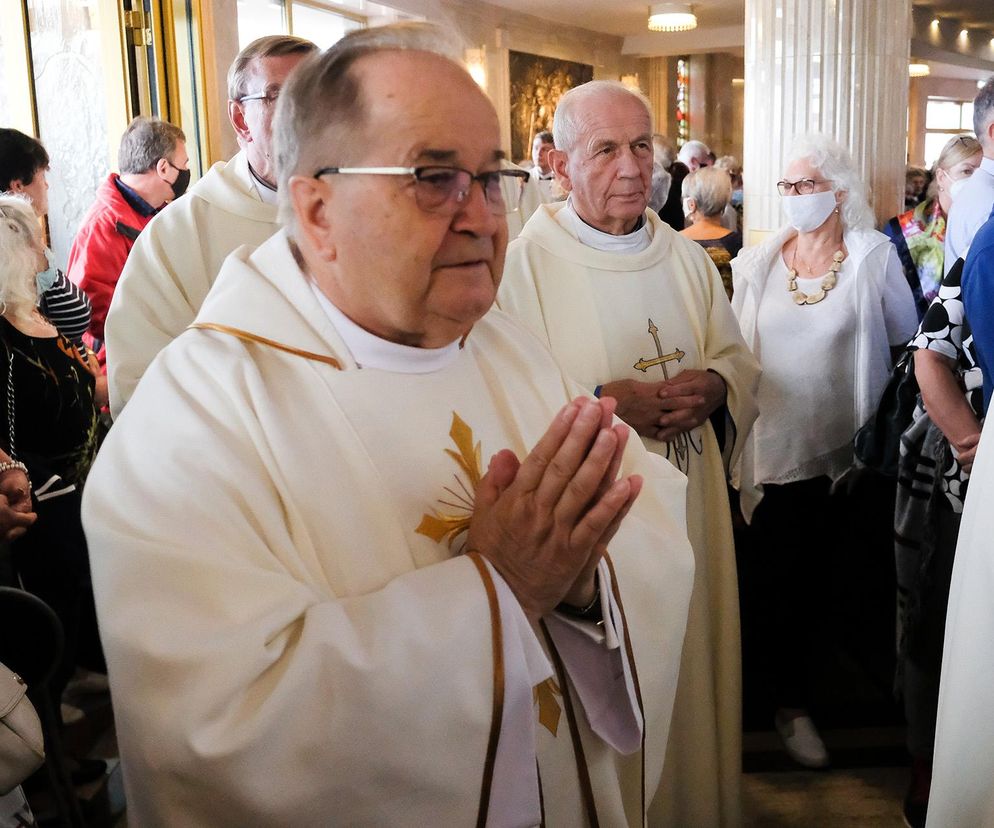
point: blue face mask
(736, 198)
(46, 278)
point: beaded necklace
(827, 283)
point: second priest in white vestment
(644, 304)
(177, 257)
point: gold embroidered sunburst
(440, 526)
(549, 710)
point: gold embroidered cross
(549, 710)
(661, 359)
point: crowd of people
(370, 490)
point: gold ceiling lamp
(918, 70)
(671, 17)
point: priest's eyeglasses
(804, 186)
(269, 97)
(445, 189)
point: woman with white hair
(50, 432)
(821, 303)
(706, 194)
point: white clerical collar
(370, 351)
(635, 242)
(262, 189)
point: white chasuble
(648, 315)
(174, 263)
(962, 792)
(290, 638)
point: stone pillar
(839, 67)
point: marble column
(839, 67)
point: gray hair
(263, 47)
(663, 150)
(144, 142)
(568, 123)
(710, 188)
(693, 149)
(322, 105)
(20, 243)
(730, 164)
(836, 164)
(662, 180)
(983, 112)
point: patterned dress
(931, 490)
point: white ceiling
(720, 22)
(622, 17)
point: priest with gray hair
(363, 553)
(176, 260)
(638, 314)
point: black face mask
(181, 183)
(182, 179)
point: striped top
(68, 308)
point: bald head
(573, 106)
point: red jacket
(101, 247)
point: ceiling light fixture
(476, 65)
(672, 17)
(918, 70)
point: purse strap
(12, 450)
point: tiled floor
(864, 797)
(854, 798)
(865, 786)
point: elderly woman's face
(802, 169)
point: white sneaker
(70, 714)
(801, 740)
(86, 682)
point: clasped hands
(664, 410)
(544, 523)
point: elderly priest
(637, 312)
(361, 558)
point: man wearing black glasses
(177, 258)
(352, 529)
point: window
(322, 21)
(682, 101)
(322, 26)
(945, 119)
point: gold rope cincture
(582, 772)
(616, 592)
(247, 336)
(497, 714)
